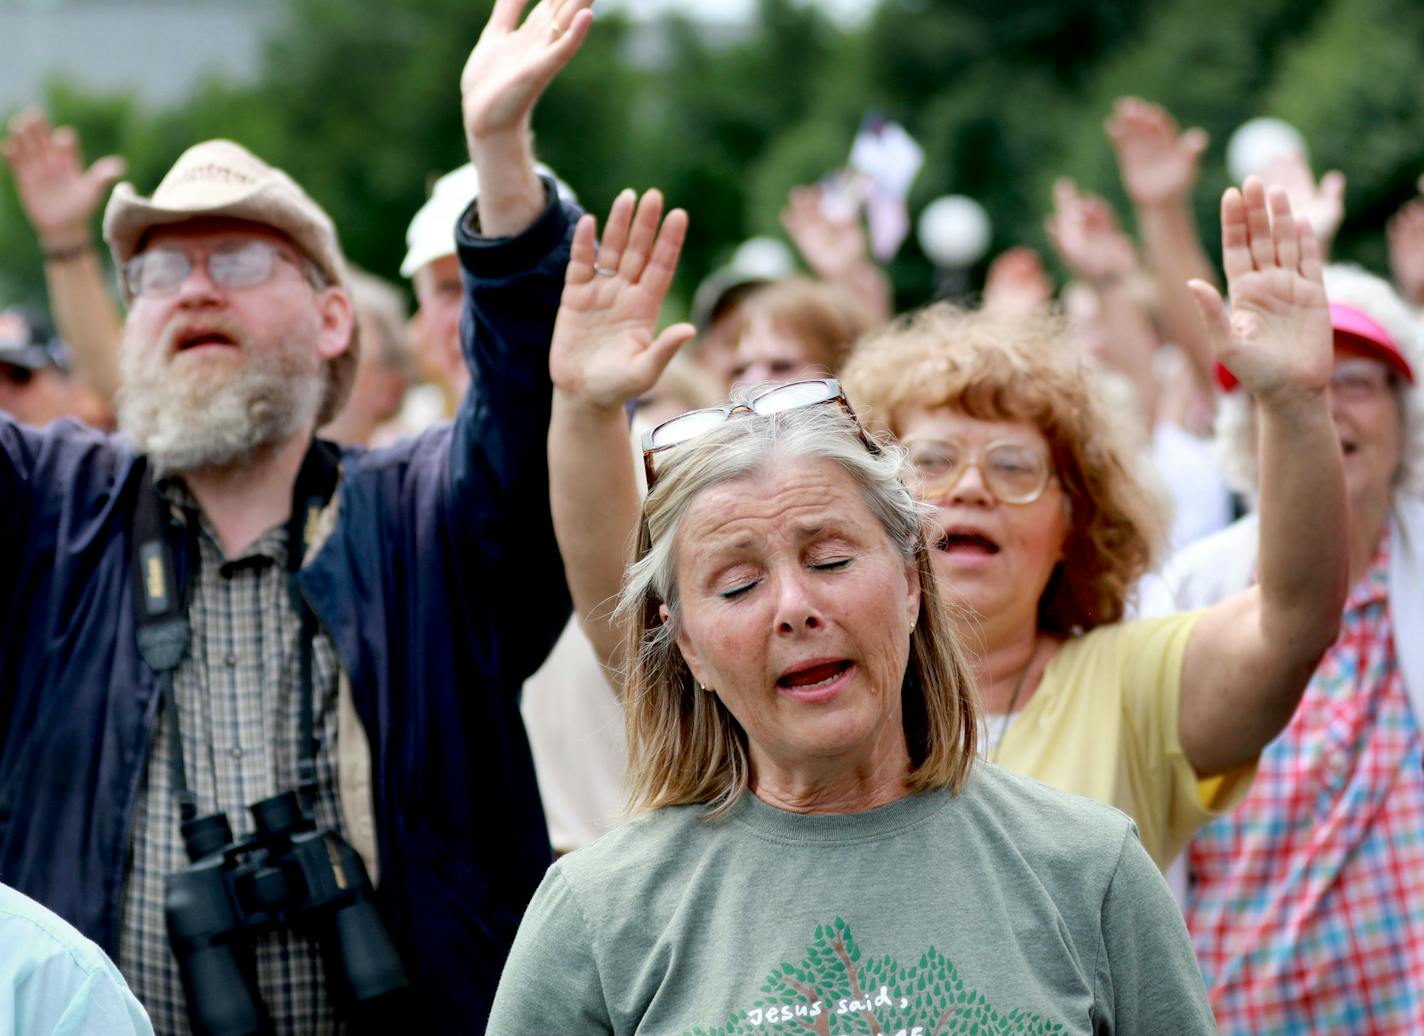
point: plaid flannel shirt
(1306, 903)
(237, 706)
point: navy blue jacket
(441, 587)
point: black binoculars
(288, 874)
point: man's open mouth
(199, 337)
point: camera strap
(161, 623)
(316, 482)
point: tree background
(358, 99)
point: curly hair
(1001, 367)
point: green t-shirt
(1011, 908)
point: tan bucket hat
(221, 178)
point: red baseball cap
(1352, 327)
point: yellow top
(1103, 724)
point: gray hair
(381, 305)
(1352, 286)
(684, 747)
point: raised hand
(58, 194)
(1158, 163)
(604, 351)
(1085, 233)
(1277, 339)
(1406, 250)
(1017, 283)
(1321, 204)
(512, 63)
(830, 239)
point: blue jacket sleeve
(58, 492)
(499, 475)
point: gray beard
(187, 417)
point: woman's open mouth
(815, 681)
(966, 543)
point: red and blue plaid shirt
(1306, 903)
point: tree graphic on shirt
(836, 991)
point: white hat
(431, 234)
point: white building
(156, 50)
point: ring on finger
(604, 271)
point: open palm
(831, 242)
(58, 193)
(604, 350)
(513, 62)
(1277, 339)
(1085, 232)
(1158, 163)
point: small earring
(912, 627)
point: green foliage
(359, 100)
(1334, 84)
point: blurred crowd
(499, 582)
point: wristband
(66, 253)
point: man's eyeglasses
(160, 272)
(790, 396)
(1014, 472)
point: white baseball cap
(431, 234)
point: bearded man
(215, 608)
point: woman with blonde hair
(1041, 530)
(820, 845)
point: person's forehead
(211, 230)
(947, 422)
(762, 338)
(790, 496)
(437, 272)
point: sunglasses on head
(791, 396)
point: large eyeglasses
(1014, 472)
(160, 272)
(790, 396)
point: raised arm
(604, 354)
(505, 75)
(829, 236)
(1250, 657)
(1321, 204)
(1086, 236)
(1406, 250)
(60, 197)
(512, 268)
(1016, 283)
(1159, 169)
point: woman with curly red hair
(1044, 528)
